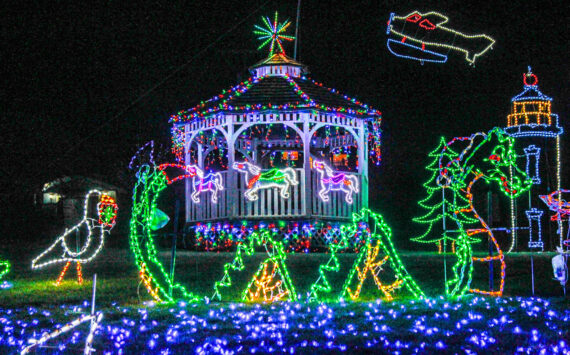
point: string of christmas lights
(150, 183)
(212, 182)
(4, 270)
(264, 287)
(438, 325)
(272, 34)
(377, 237)
(438, 207)
(94, 319)
(262, 284)
(533, 215)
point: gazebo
(277, 150)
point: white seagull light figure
(96, 230)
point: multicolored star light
(272, 33)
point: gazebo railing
(232, 203)
(206, 210)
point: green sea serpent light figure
(151, 181)
(489, 157)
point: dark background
(75, 74)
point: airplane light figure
(423, 37)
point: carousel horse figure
(202, 183)
(335, 182)
(257, 180)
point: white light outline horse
(256, 183)
(335, 182)
(213, 183)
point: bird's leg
(62, 274)
(79, 274)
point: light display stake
(335, 182)
(423, 37)
(272, 34)
(96, 229)
(489, 157)
(212, 182)
(95, 320)
(265, 287)
(257, 180)
(377, 237)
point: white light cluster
(95, 229)
(95, 321)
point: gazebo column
(187, 182)
(363, 164)
(231, 183)
(307, 190)
(200, 156)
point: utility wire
(159, 84)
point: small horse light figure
(200, 183)
(279, 178)
(335, 182)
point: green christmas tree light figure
(263, 287)
(374, 256)
(272, 34)
(440, 203)
(4, 268)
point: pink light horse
(335, 182)
(202, 183)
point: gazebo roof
(277, 92)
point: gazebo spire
(272, 33)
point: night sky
(76, 74)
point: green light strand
(489, 156)
(276, 253)
(377, 233)
(151, 181)
(4, 268)
(272, 34)
(434, 204)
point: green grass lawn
(477, 324)
(118, 276)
